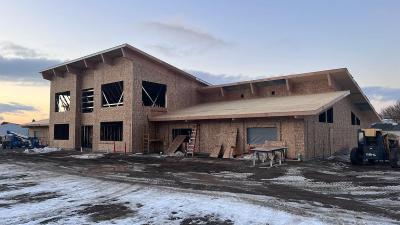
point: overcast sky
(220, 41)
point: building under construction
(122, 99)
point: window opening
(112, 94)
(329, 115)
(61, 131)
(63, 101)
(87, 100)
(184, 131)
(259, 135)
(153, 94)
(354, 119)
(111, 131)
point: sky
(219, 41)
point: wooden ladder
(191, 146)
(146, 140)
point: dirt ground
(329, 185)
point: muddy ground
(329, 184)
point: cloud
(220, 78)
(382, 97)
(18, 69)
(385, 92)
(179, 40)
(13, 107)
(22, 64)
(11, 50)
(1, 118)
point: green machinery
(375, 145)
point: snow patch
(41, 150)
(88, 156)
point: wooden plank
(328, 75)
(215, 151)
(252, 89)
(288, 88)
(175, 144)
(228, 153)
(229, 140)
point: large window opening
(111, 131)
(326, 116)
(259, 135)
(87, 100)
(112, 94)
(61, 131)
(354, 119)
(153, 94)
(63, 101)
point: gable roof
(297, 105)
(123, 50)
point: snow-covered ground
(34, 197)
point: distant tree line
(392, 112)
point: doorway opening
(87, 137)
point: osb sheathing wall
(67, 82)
(290, 130)
(324, 139)
(181, 93)
(298, 86)
(120, 70)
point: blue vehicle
(13, 140)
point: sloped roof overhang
(298, 105)
(340, 78)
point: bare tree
(392, 112)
